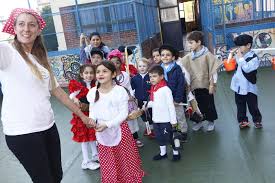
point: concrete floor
(227, 155)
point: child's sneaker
(176, 157)
(95, 158)
(197, 126)
(90, 165)
(258, 125)
(244, 124)
(159, 157)
(139, 143)
(210, 126)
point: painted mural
(65, 68)
(262, 39)
(235, 11)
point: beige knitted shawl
(201, 69)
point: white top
(111, 109)
(124, 80)
(163, 109)
(26, 106)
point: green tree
(49, 40)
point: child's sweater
(141, 85)
(163, 109)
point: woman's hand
(100, 127)
(90, 123)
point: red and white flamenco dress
(80, 131)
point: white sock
(93, 148)
(162, 150)
(85, 152)
(175, 152)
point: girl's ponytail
(97, 93)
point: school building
(146, 24)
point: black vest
(251, 76)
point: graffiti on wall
(262, 39)
(234, 12)
(65, 68)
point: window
(189, 11)
(181, 9)
(265, 5)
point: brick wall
(112, 40)
(69, 27)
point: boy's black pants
(250, 100)
(206, 104)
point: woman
(27, 84)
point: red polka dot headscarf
(9, 26)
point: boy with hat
(244, 82)
(201, 66)
(96, 56)
(175, 81)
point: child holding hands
(82, 134)
(164, 113)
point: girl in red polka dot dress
(82, 134)
(118, 154)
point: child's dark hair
(243, 40)
(82, 68)
(110, 66)
(154, 50)
(157, 69)
(96, 34)
(195, 36)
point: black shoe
(159, 157)
(176, 157)
(183, 137)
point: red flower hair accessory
(9, 25)
(115, 53)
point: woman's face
(27, 29)
(95, 41)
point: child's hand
(239, 54)
(101, 127)
(212, 89)
(76, 101)
(174, 125)
(90, 123)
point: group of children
(162, 88)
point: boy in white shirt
(163, 112)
